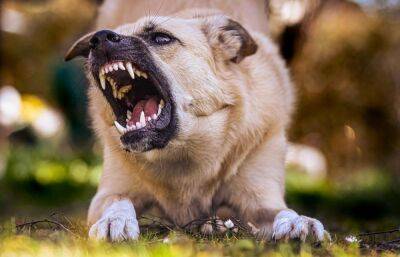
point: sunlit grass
(60, 244)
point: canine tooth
(129, 114)
(162, 103)
(115, 66)
(144, 75)
(130, 69)
(138, 125)
(159, 110)
(119, 127)
(121, 66)
(102, 81)
(142, 118)
(154, 116)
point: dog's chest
(182, 206)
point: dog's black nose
(103, 36)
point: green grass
(47, 242)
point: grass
(68, 238)
(50, 242)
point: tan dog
(191, 110)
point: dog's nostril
(113, 37)
(94, 41)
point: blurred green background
(343, 165)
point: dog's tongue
(148, 106)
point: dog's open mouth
(136, 96)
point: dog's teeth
(131, 127)
(121, 66)
(148, 118)
(138, 73)
(144, 75)
(102, 81)
(130, 69)
(160, 106)
(115, 66)
(119, 127)
(129, 115)
(114, 87)
(125, 89)
(138, 125)
(142, 118)
(154, 116)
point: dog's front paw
(118, 223)
(288, 224)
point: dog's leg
(112, 212)
(257, 190)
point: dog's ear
(80, 48)
(229, 39)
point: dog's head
(161, 74)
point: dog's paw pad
(118, 223)
(288, 224)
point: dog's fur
(233, 100)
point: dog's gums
(134, 93)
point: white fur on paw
(288, 224)
(118, 223)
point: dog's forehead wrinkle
(128, 29)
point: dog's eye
(161, 38)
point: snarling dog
(191, 111)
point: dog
(192, 111)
